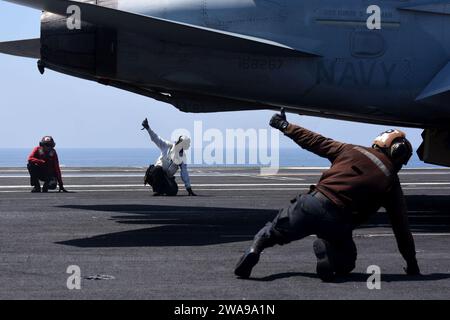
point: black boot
(345, 257)
(251, 256)
(36, 189)
(45, 187)
(324, 268)
(246, 263)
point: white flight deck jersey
(166, 161)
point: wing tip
(28, 48)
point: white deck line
(412, 184)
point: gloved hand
(412, 268)
(145, 124)
(62, 189)
(279, 121)
(190, 192)
(38, 162)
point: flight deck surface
(142, 247)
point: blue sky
(79, 113)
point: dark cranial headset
(395, 145)
(47, 141)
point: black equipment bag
(148, 176)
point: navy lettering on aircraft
(360, 73)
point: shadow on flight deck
(357, 277)
(201, 226)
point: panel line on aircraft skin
(354, 23)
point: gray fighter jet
(384, 62)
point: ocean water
(288, 157)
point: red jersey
(46, 159)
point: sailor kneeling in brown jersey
(359, 182)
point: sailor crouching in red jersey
(43, 165)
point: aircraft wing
(23, 48)
(167, 30)
(430, 8)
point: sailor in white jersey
(161, 175)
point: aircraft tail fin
(30, 48)
(170, 31)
